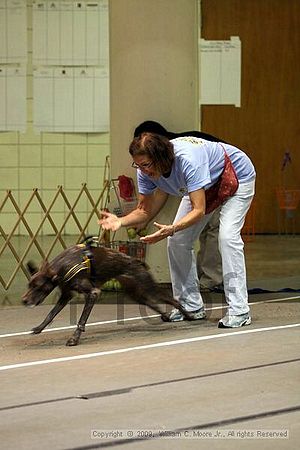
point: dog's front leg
(90, 299)
(61, 303)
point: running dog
(83, 268)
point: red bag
(225, 187)
(126, 187)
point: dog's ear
(50, 273)
(32, 268)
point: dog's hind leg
(171, 301)
(144, 292)
(153, 304)
(154, 300)
(90, 299)
(61, 303)
(143, 289)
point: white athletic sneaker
(232, 321)
(176, 316)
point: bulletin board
(220, 72)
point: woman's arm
(197, 199)
(148, 206)
(158, 203)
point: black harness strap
(86, 264)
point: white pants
(182, 261)
(209, 263)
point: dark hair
(157, 147)
(149, 126)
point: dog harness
(86, 264)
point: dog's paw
(36, 330)
(71, 342)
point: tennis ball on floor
(117, 285)
(131, 233)
(109, 285)
(143, 232)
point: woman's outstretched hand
(163, 232)
(109, 221)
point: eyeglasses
(142, 166)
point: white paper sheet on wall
(13, 112)
(70, 33)
(71, 99)
(220, 72)
(13, 31)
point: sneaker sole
(246, 322)
(195, 318)
(166, 319)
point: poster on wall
(70, 33)
(13, 111)
(220, 72)
(13, 31)
(71, 99)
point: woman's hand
(110, 221)
(163, 232)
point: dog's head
(41, 283)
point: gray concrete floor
(206, 386)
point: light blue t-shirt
(198, 164)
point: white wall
(154, 66)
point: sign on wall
(71, 33)
(13, 98)
(13, 57)
(220, 72)
(71, 59)
(70, 56)
(71, 99)
(13, 31)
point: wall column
(153, 73)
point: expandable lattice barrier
(47, 215)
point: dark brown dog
(84, 268)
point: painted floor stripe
(69, 327)
(128, 319)
(145, 347)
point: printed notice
(220, 72)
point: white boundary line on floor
(145, 347)
(128, 319)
